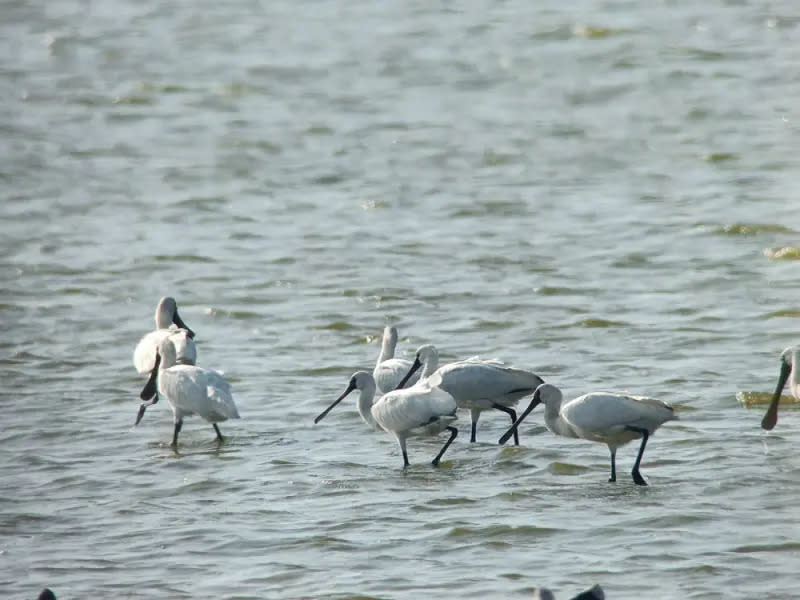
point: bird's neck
(387, 350)
(365, 400)
(163, 319)
(554, 422)
(429, 366)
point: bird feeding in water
(477, 384)
(418, 411)
(611, 418)
(790, 370)
(189, 390)
(389, 371)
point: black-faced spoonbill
(611, 418)
(790, 365)
(412, 412)
(477, 384)
(389, 371)
(189, 391)
(168, 325)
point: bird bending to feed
(790, 366)
(168, 325)
(611, 418)
(389, 371)
(477, 384)
(189, 391)
(593, 593)
(412, 412)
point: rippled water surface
(603, 192)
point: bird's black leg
(511, 413)
(453, 433)
(219, 434)
(613, 477)
(637, 477)
(474, 432)
(178, 426)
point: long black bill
(351, 386)
(142, 408)
(417, 364)
(535, 401)
(771, 416)
(179, 322)
(150, 387)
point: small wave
(785, 253)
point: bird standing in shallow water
(477, 384)
(389, 371)
(413, 412)
(611, 418)
(189, 390)
(790, 370)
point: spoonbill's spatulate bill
(477, 384)
(168, 325)
(412, 412)
(389, 371)
(189, 390)
(790, 370)
(611, 418)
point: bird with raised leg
(476, 384)
(418, 411)
(790, 371)
(607, 417)
(189, 390)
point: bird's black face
(179, 322)
(417, 364)
(350, 387)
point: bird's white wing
(144, 356)
(220, 395)
(485, 380)
(605, 410)
(406, 409)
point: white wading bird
(389, 371)
(182, 337)
(611, 418)
(413, 412)
(790, 365)
(477, 384)
(189, 391)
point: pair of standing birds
(168, 355)
(429, 406)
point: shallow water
(605, 194)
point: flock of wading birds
(413, 403)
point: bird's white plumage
(604, 416)
(144, 356)
(416, 410)
(168, 325)
(389, 371)
(478, 382)
(192, 390)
